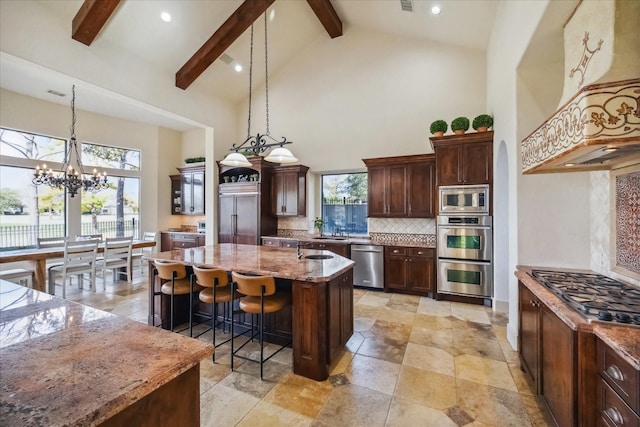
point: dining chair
(51, 242)
(116, 256)
(141, 254)
(259, 297)
(79, 259)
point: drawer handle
(614, 415)
(615, 373)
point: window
(102, 156)
(344, 203)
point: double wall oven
(465, 241)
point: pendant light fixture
(68, 178)
(259, 143)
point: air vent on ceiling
(407, 5)
(56, 93)
(226, 58)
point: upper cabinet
(401, 187)
(464, 159)
(192, 184)
(289, 191)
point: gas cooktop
(595, 296)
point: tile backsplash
(406, 229)
(627, 225)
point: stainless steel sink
(319, 256)
(329, 238)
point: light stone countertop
(64, 363)
(623, 339)
(357, 241)
(263, 260)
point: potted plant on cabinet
(318, 224)
(482, 123)
(438, 127)
(460, 125)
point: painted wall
(160, 148)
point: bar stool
(174, 275)
(259, 298)
(217, 289)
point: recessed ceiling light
(435, 10)
(610, 149)
(569, 164)
(238, 67)
(165, 16)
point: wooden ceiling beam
(220, 41)
(328, 16)
(90, 19)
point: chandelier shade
(68, 178)
(259, 143)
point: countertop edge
(356, 241)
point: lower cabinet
(178, 240)
(409, 270)
(279, 243)
(549, 357)
(341, 249)
(340, 313)
(618, 401)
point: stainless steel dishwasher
(369, 269)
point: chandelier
(257, 144)
(69, 178)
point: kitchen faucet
(300, 256)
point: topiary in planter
(438, 127)
(460, 125)
(194, 159)
(482, 122)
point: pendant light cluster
(258, 144)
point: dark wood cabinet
(279, 243)
(464, 159)
(244, 204)
(176, 194)
(180, 240)
(528, 340)
(409, 270)
(401, 187)
(192, 190)
(342, 249)
(340, 318)
(289, 191)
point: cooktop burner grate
(594, 295)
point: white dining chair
(116, 256)
(79, 259)
(141, 254)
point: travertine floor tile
(470, 313)
(387, 329)
(373, 373)
(353, 405)
(405, 413)
(396, 316)
(266, 414)
(476, 339)
(224, 406)
(484, 371)
(429, 358)
(434, 308)
(440, 338)
(426, 388)
(491, 405)
(432, 322)
(383, 348)
(374, 299)
(300, 395)
(363, 324)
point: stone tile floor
(411, 361)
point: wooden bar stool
(216, 289)
(176, 282)
(259, 298)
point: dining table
(37, 259)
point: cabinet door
(558, 379)
(246, 219)
(477, 161)
(528, 335)
(377, 203)
(226, 218)
(176, 194)
(197, 193)
(277, 194)
(166, 242)
(397, 191)
(421, 271)
(346, 306)
(448, 165)
(274, 243)
(395, 271)
(420, 190)
(187, 193)
(290, 194)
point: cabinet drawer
(422, 252)
(288, 243)
(619, 374)
(612, 410)
(183, 244)
(396, 250)
(271, 242)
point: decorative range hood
(597, 125)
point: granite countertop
(623, 339)
(64, 363)
(264, 260)
(359, 241)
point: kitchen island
(322, 295)
(64, 363)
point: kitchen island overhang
(322, 295)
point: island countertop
(263, 260)
(64, 363)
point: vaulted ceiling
(215, 32)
